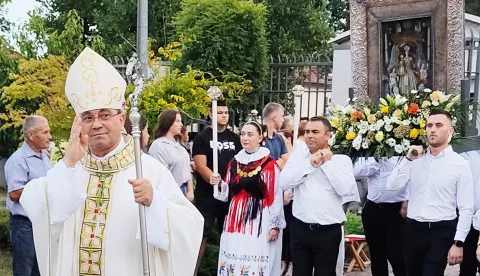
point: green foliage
(298, 27)
(340, 14)
(4, 229)
(224, 36)
(8, 65)
(8, 61)
(116, 21)
(36, 40)
(354, 224)
(188, 92)
(209, 263)
(37, 88)
(4, 223)
(210, 260)
(472, 6)
(58, 151)
(4, 23)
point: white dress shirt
(474, 158)
(318, 192)
(438, 185)
(376, 174)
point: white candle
(215, 137)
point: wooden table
(357, 244)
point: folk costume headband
(257, 124)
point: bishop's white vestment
(86, 222)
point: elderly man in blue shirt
(29, 162)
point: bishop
(85, 211)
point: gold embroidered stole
(97, 204)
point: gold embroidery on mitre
(93, 83)
(90, 75)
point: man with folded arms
(439, 183)
(320, 181)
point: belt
(317, 226)
(432, 225)
(386, 205)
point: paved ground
(450, 271)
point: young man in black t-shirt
(228, 145)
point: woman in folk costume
(251, 242)
(85, 212)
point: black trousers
(314, 246)
(286, 252)
(427, 246)
(383, 226)
(469, 266)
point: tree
(220, 36)
(38, 88)
(340, 14)
(4, 23)
(472, 6)
(297, 27)
(188, 93)
(36, 40)
(116, 21)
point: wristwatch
(458, 243)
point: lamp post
(142, 35)
(297, 93)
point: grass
(5, 259)
(5, 264)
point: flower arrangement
(389, 127)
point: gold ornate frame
(448, 40)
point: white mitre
(93, 83)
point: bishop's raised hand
(77, 144)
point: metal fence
(310, 71)
(471, 83)
(315, 74)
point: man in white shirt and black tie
(381, 217)
(320, 180)
(440, 182)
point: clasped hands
(215, 179)
(320, 157)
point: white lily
(383, 102)
(444, 98)
(399, 100)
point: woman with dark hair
(170, 153)
(144, 130)
(183, 139)
(251, 240)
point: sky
(17, 13)
(17, 10)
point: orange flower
(412, 109)
(357, 115)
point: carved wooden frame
(365, 17)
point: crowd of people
(278, 205)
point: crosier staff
(214, 93)
(135, 76)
